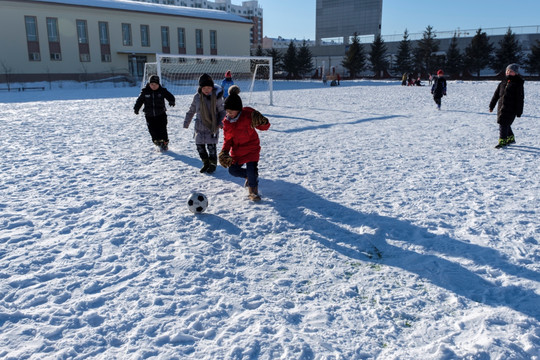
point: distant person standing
(227, 83)
(438, 89)
(510, 96)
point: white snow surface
(387, 230)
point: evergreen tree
(259, 51)
(377, 56)
(354, 59)
(509, 52)
(276, 59)
(425, 58)
(454, 59)
(305, 60)
(533, 60)
(290, 64)
(403, 59)
(478, 53)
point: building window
(165, 41)
(82, 35)
(103, 33)
(54, 39)
(145, 35)
(31, 28)
(126, 35)
(104, 41)
(82, 31)
(32, 38)
(213, 42)
(181, 40)
(199, 41)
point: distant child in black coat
(153, 97)
(438, 89)
(510, 95)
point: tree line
(423, 57)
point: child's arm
(191, 112)
(170, 98)
(138, 104)
(259, 121)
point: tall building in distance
(338, 20)
(249, 10)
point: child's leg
(252, 172)
(201, 149)
(212, 157)
(237, 170)
(162, 128)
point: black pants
(157, 127)
(211, 154)
(505, 124)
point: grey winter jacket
(203, 135)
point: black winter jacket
(439, 87)
(154, 101)
(510, 95)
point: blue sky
(296, 18)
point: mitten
(225, 159)
(171, 104)
(136, 111)
(258, 119)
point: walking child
(227, 83)
(241, 144)
(510, 95)
(207, 105)
(153, 96)
(438, 89)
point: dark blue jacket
(154, 101)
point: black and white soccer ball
(197, 202)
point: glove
(444, 93)
(136, 111)
(258, 119)
(171, 104)
(225, 159)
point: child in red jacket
(241, 143)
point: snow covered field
(387, 230)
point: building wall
(232, 39)
(342, 18)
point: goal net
(180, 74)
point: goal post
(180, 74)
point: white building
(92, 39)
(249, 10)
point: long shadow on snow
(329, 125)
(335, 226)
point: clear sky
(296, 18)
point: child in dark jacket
(439, 88)
(241, 143)
(510, 95)
(153, 96)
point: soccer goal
(180, 74)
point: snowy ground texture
(387, 230)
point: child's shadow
(366, 236)
(183, 158)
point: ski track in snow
(387, 230)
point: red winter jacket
(240, 139)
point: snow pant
(157, 127)
(505, 123)
(437, 100)
(251, 172)
(211, 154)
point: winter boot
(502, 143)
(164, 145)
(510, 140)
(254, 193)
(206, 166)
(212, 167)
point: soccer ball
(197, 202)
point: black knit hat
(206, 80)
(233, 101)
(153, 79)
